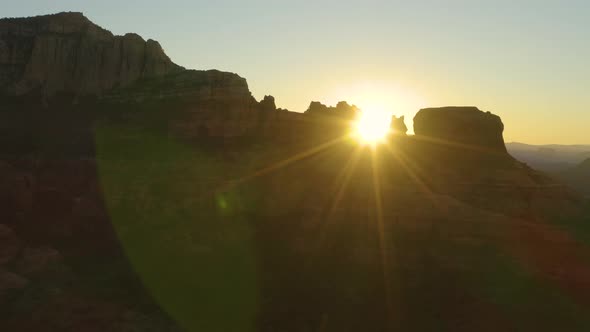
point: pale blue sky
(527, 61)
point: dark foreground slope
(157, 231)
(179, 202)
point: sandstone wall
(66, 52)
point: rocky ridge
(67, 53)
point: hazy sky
(527, 61)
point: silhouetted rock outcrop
(267, 104)
(398, 125)
(66, 52)
(342, 109)
(462, 125)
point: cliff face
(66, 52)
(461, 125)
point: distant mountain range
(550, 157)
(569, 163)
(577, 177)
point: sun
(371, 127)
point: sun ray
(381, 230)
(342, 181)
(344, 175)
(282, 163)
(404, 161)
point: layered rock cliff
(66, 52)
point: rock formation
(398, 125)
(462, 125)
(267, 104)
(342, 109)
(66, 52)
